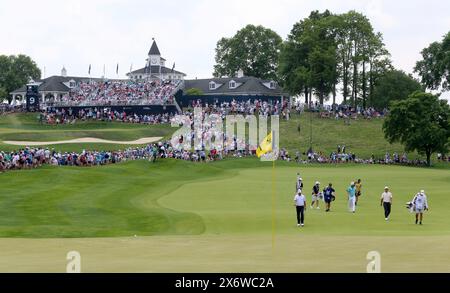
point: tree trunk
(355, 75)
(306, 96)
(428, 152)
(371, 86)
(364, 90)
(345, 82)
(334, 94)
(355, 83)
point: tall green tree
(15, 71)
(254, 49)
(393, 86)
(325, 50)
(362, 57)
(308, 57)
(421, 123)
(434, 68)
(294, 67)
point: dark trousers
(300, 214)
(387, 209)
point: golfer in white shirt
(300, 206)
(386, 202)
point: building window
(272, 85)
(212, 85)
(232, 84)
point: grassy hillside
(362, 137)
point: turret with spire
(155, 67)
(154, 56)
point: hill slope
(362, 137)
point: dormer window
(212, 85)
(232, 84)
(272, 85)
(72, 83)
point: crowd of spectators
(6, 108)
(342, 111)
(248, 107)
(32, 157)
(63, 116)
(343, 156)
(176, 148)
(117, 93)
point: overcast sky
(75, 34)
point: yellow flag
(265, 146)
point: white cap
(352, 183)
(386, 187)
(299, 191)
(422, 191)
(317, 182)
(300, 178)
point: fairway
(216, 217)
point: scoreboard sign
(32, 98)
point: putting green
(228, 253)
(216, 217)
(228, 197)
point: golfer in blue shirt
(351, 192)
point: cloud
(78, 33)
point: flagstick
(273, 193)
(273, 205)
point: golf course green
(228, 197)
(235, 215)
(222, 216)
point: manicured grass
(231, 197)
(214, 217)
(228, 253)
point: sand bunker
(142, 140)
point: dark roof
(55, 83)
(154, 69)
(248, 86)
(154, 49)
